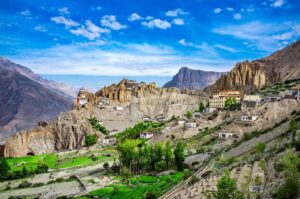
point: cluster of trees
(201, 107)
(136, 157)
(97, 126)
(5, 173)
(134, 132)
(231, 103)
(291, 186)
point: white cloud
(258, 34)
(176, 12)
(121, 60)
(178, 21)
(134, 17)
(89, 31)
(284, 36)
(230, 9)
(157, 23)
(149, 18)
(63, 20)
(217, 10)
(205, 47)
(229, 49)
(111, 22)
(64, 11)
(25, 13)
(277, 3)
(99, 8)
(237, 16)
(40, 28)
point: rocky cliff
(250, 76)
(26, 99)
(193, 79)
(67, 132)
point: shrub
(193, 180)
(90, 140)
(38, 184)
(24, 184)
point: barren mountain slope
(249, 76)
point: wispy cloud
(111, 22)
(278, 3)
(178, 21)
(125, 60)
(89, 30)
(175, 13)
(134, 17)
(264, 36)
(26, 13)
(64, 11)
(157, 23)
(237, 16)
(40, 28)
(217, 10)
(63, 20)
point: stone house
(190, 125)
(224, 135)
(146, 135)
(113, 132)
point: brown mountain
(27, 98)
(191, 79)
(249, 76)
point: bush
(193, 180)
(38, 184)
(59, 180)
(90, 140)
(150, 195)
(25, 184)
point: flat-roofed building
(217, 100)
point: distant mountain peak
(193, 79)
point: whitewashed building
(247, 118)
(146, 118)
(146, 135)
(113, 132)
(119, 108)
(190, 125)
(180, 122)
(225, 135)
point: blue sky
(143, 38)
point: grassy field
(53, 161)
(153, 184)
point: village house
(146, 118)
(104, 101)
(217, 100)
(146, 135)
(113, 132)
(224, 135)
(247, 118)
(119, 108)
(197, 114)
(82, 99)
(180, 122)
(109, 141)
(210, 110)
(273, 98)
(251, 101)
(190, 125)
(160, 118)
(297, 96)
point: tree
(227, 188)
(168, 154)
(4, 169)
(293, 126)
(228, 102)
(189, 114)
(90, 140)
(291, 187)
(201, 107)
(179, 156)
(106, 166)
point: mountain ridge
(192, 79)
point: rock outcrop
(67, 132)
(250, 76)
(127, 89)
(191, 79)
